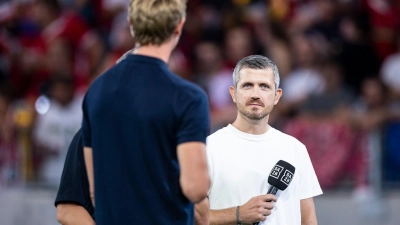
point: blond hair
(154, 21)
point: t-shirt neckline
(147, 59)
(252, 137)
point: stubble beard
(255, 116)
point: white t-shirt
(240, 164)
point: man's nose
(255, 93)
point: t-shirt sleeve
(193, 114)
(74, 185)
(309, 185)
(86, 128)
(210, 163)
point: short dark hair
(256, 62)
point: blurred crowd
(339, 62)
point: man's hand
(257, 208)
(202, 212)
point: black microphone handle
(272, 190)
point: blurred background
(339, 62)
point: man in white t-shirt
(242, 155)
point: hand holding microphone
(259, 207)
(256, 209)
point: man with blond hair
(144, 128)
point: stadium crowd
(339, 62)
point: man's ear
(278, 96)
(232, 91)
(130, 27)
(179, 27)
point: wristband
(237, 216)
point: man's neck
(162, 51)
(251, 126)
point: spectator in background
(59, 119)
(357, 58)
(10, 158)
(277, 46)
(328, 20)
(390, 72)
(215, 79)
(58, 60)
(369, 116)
(85, 46)
(114, 7)
(237, 45)
(305, 79)
(25, 53)
(384, 17)
(23, 68)
(334, 147)
(390, 76)
(371, 111)
(271, 36)
(335, 95)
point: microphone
(280, 177)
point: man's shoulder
(187, 92)
(110, 72)
(185, 86)
(104, 79)
(217, 142)
(221, 133)
(285, 138)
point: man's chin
(255, 117)
(253, 114)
